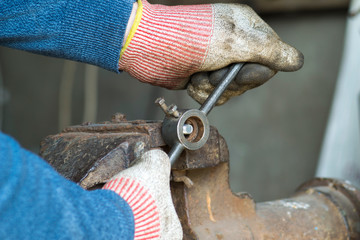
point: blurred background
(274, 133)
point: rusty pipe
(210, 210)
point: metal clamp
(175, 122)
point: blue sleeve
(89, 31)
(37, 203)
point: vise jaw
(90, 154)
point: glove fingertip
(156, 159)
(289, 58)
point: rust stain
(208, 203)
(219, 236)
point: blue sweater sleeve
(37, 203)
(89, 31)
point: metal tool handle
(220, 88)
(208, 105)
(175, 152)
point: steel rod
(210, 102)
(218, 91)
(175, 152)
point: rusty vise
(90, 154)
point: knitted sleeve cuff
(93, 31)
(89, 31)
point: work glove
(168, 44)
(145, 186)
(251, 75)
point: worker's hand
(167, 44)
(146, 188)
(251, 75)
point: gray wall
(274, 133)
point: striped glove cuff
(145, 186)
(167, 44)
(146, 215)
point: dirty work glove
(146, 188)
(251, 75)
(167, 44)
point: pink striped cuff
(146, 215)
(169, 45)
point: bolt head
(160, 101)
(172, 108)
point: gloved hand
(146, 188)
(251, 75)
(167, 44)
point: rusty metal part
(92, 153)
(172, 130)
(168, 110)
(206, 206)
(209, 210)
(174, 136)
(85, 153)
